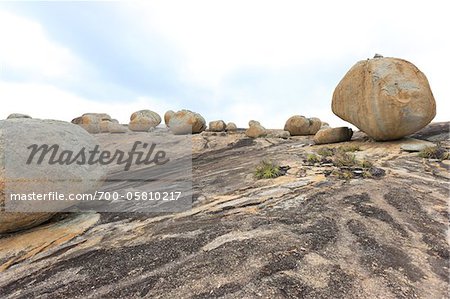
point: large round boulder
(387, 98)
(21, 173)
(144, 120)
(333, 135)
(298, 125)
(187, 122)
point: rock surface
(278, 134)
(16, 176)
(117, 128)
(387, 98)
(298, 125)
(144, 120)
(302, 235)
(217, 126)
(17, 115)
(415, 145)
(333, 135)
(187, 122)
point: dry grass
(436, 152)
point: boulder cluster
(99, 123)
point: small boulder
(231, 127)
(333, 135)
(18, 115)
(298, 125)
(91, 121)
(167, 116)
(253, 122)
(144, 120)
(387, 98)
(256, 130)
(217, 126)
(187, 122)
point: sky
(230, 60)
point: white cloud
(27, 50)
(220, 37)
(217, 39)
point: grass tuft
(325, 152)
(349, 148)
(267, 170)
(344, 159)
(313, 158)
(436, 152)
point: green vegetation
(365, 164)
(325, 152)
(367, 174)
(312, 158)
(343, 159)
(346, 165)
(436, 152)
(343, 174)
(349, 148)
(267, 170)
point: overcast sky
(230, 60)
